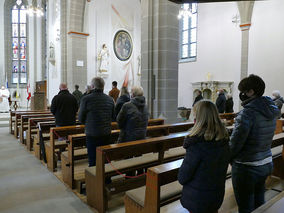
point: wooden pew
(153, 151)
(32, 130)
(17, 120)
(76, 156)
(162, 191)
(229, 117)
(50, 147)
(153, 198)
(44, 129)
(12, 119)
(275, 205)
(24, 120)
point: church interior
(171, 59)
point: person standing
(77, 94)
(4, 102)
(124, 98)
(133, 117)
(114, 93)
(221, 101)
(199, 97)
(278, 100)
(64, 107)
(204, 168)
(96, 112)
(229, 104)
(250, 144)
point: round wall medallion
(122, 44)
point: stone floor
(27, 186)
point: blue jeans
(92, 144)
(249, 185)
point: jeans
(93, 143)
(249, 185)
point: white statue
(51, 51)
(103, 57)
(4, 103)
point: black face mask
(243, 96)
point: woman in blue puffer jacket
(250, 144)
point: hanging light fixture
(35, 9)
(185, 11)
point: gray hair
(137, 91)
(229, 96)
(98, 83)
(276, 93)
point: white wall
(2, 46)
(53, 69)
(266, 53)
(218, 50)
(101, 22)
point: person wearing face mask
(133, 117)
(250, 144)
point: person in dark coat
(64, 107)
(198, 97)
(124, 98)
(221, 101)
(77, 94)
(278, 100)
(97, 113)
(229, 104)
(133, 117)
(204, 168)
(250, 144)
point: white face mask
(218, 93)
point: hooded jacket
(203, 174)
(254, 129)
(64, 107)
(279, 102)
(97, 113)
(120, 101)
(133, 120)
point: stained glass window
(188, 33)
(19, 43)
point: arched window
(19, 43)
(188, 34)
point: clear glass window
(188, 33)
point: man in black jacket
(64, 107)
(97, 113)
(221, 101)
(199, 97)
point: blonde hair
(208, 122)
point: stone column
(160, 34)
(245, 9)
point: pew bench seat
(173, 207)
(168, 191)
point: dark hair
(253, 82)
(114, 83)
(76, 86)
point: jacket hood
(125, 98)
(265, 106)
(139, 101)
(280, 99)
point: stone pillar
(160, 34)
(245, 9)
